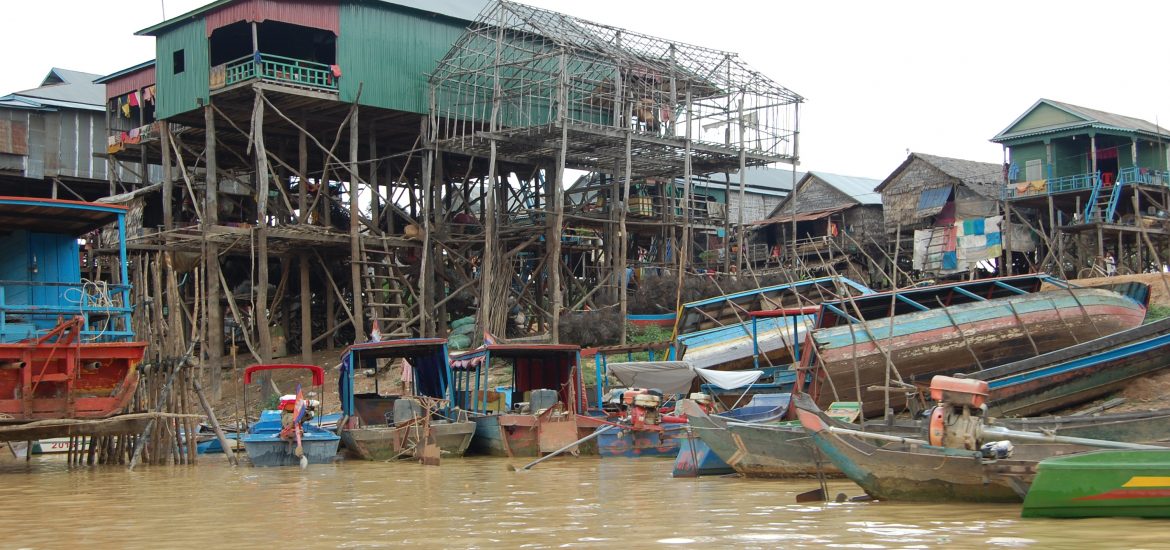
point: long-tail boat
(544, 386)
(961, 458)
(1078, 373)
(898, 337)
(67, 348)
(783, 449)
(382, 426)
(1113, 483)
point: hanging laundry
(125, 108)
(336, 70)
(132, 99)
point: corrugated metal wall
(392, 50)
(130, 82)
(179, 93)
(307, 13)
(60, 144)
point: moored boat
(285, 437)
(67, 348)
(960, 458)
(1078, 373)
(708, 439)
(900, 336)
(383, 426)
(913, 470)
(712, 333)
(546, 392)
(648, 426)
(1133, 483)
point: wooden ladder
(385, 290)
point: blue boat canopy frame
(427, 356)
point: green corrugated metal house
(1100, 179)
(325, 48)
(1072, 152)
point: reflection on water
(479, 502)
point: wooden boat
(1078, 373)
(546, 391)
(718, 333)
(780, 448)
(912, 470)
(959, 459)
(920, 332)
(783, 449)
(276, 440)
(67, 348)
(386, 426)
(708, 439)
(1110, 483)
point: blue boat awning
(932, 201)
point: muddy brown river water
(480, 503)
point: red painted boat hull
(68, 380)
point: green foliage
(272, 402)
(1156, 312)
(646, 334)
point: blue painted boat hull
(212, 446)
(265, 447)
(695, 458)
(636, 443)
(278, 452)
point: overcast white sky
(880, 77)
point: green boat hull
(1102, 484)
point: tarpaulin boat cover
(676, 376)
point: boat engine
(642, 407)
(957, 420)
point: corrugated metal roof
(859, 188)
(932, 201)
(17, 102)
(761, 180)
(73, 89)
(1092, 118)
(466, 10)
(801, 217)
(124, 72)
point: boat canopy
(534, 367)
(427, 358)
(318, 372)
(56, 215)
(677, 376)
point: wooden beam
(355, 251)
(208, 220)
(260, 288)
